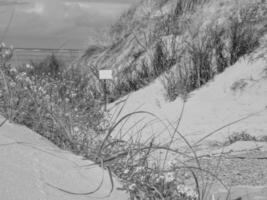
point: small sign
(105, 74)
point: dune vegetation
(183, 43)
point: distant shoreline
(47, 49)
(24, 55)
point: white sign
(105, 74)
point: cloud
(37, 8)
(97, 9)
(71, 19)
(10, 3)
(104, 1)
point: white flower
(12, 84)
(143, 178)
(7, 52)
(42, 90)
(169, 177)
(160, 178)
(132, 187)
(76, 129)
(73, 95)
(139, 169)
(47, 97)
(189, 192)
(187, 176)
(28, 66)
(28, 80)
(13, 70)
(172, 163)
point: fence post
(105, 75)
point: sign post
(105, 75)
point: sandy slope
(29, 163)
(246, 193)
(236, 93)
(239, 92)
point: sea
(28, 55)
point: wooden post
(105, 75)
(105, 94)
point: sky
(56, 23)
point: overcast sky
(50, 23)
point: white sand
(207, 108)
(28, 163)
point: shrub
(193, 70)
(159, 63)
(52, 104)
(220, 49)
(51, 66)
(243, 32)
(263, 138)
(200, 53)
(184, 6)
(239, 85)
(125, 25)
(240, 136)
(243, 136)
(6, 93)
(143, 177)
(174, 23)
(176, 83)
(171, 85)
(222, 44)
(138, 75)
(62, 109)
